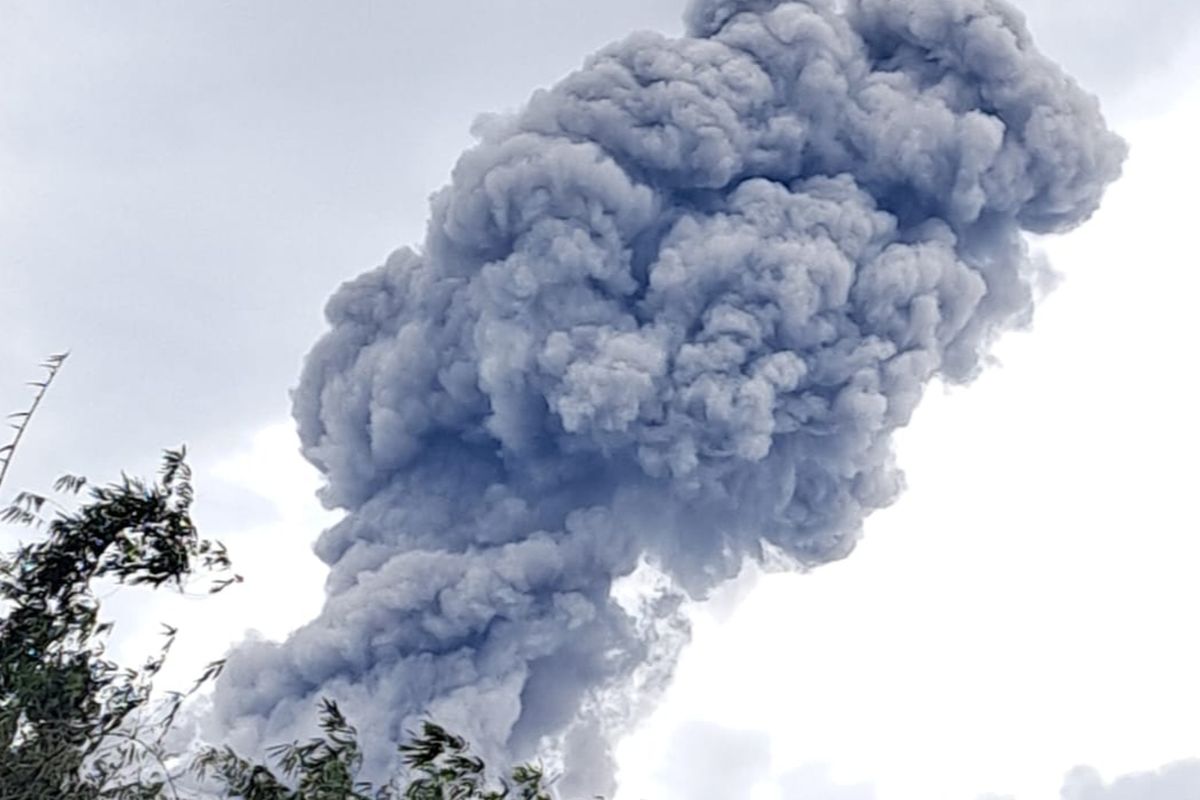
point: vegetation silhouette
(75, 724)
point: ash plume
(667, 314)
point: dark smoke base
(669, 313)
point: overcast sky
(183, 184)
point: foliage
(74, 724)
(440, 765)
(52, 365)
(70, 719)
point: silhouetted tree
(74, 724)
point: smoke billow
(669, 313)
(1177, 781)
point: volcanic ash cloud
(669, 313)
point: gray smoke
(1177, 781)
(669, 314)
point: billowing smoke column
(669, 313)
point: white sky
(182, 187)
